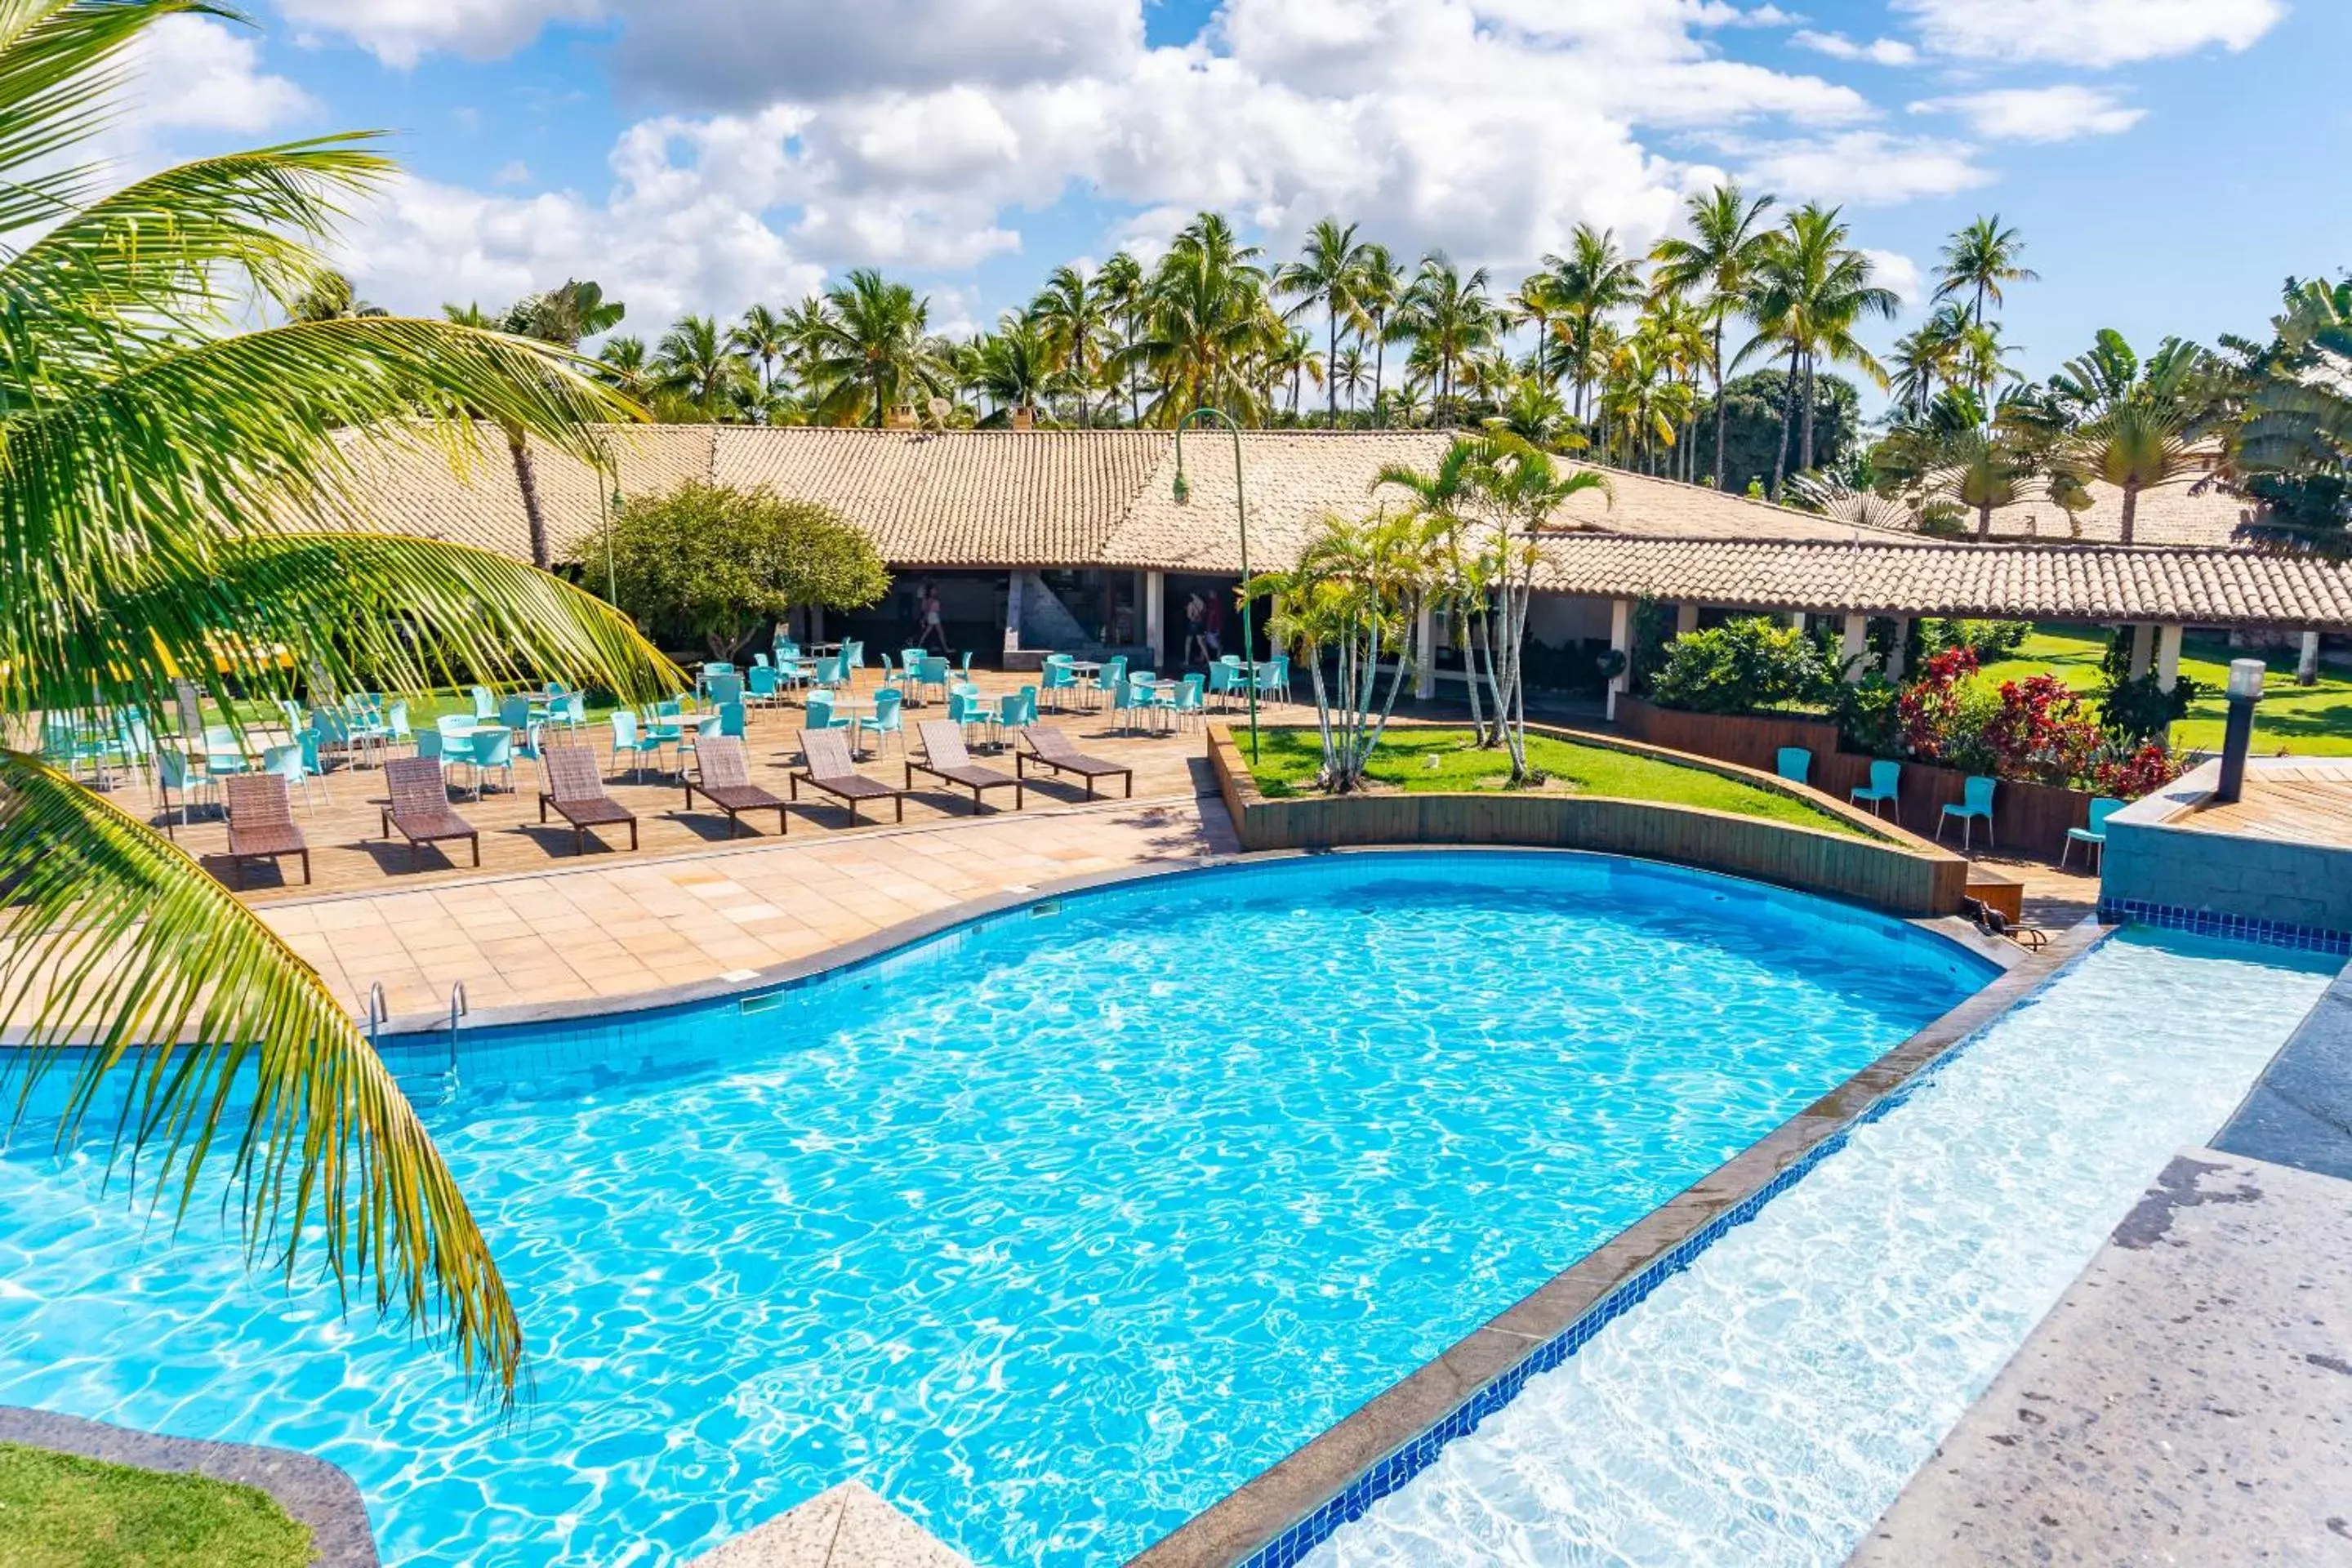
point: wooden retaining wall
(2027, 818)
(1890, 870)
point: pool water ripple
(1051, 1233)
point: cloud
(403, 32)
(2039, 113)
(1866, 168)
(2089, 33)
(195, 74)
(1893, 269)
(1838, 46)
(513, 172)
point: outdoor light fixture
(1183, 491)
(2244, 689)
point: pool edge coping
(313, 1492)
(1280, 1513)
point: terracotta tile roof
(2170, 514)
(2085, 582)
(957, 497)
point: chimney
(1024, 417)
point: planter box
(1890, 870)
(2027, 818)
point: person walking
(1195, 617)
(935, 635)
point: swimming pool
(1767, 1403)
(1052, 1229)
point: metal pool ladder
(459, 1008)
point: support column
(2167, 658)
(1155, 615)
(1424, 643)
(1797, 619)
(1012, 615)
(2143, 647)
(1136, 629)
(1853, 643)
(1686, 619)
(1621, 637)
(2306, 668)
(816, 623)
(1900, 646)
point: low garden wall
(2029, 818)
(1890, 871)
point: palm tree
(694, 364)
(159, 460)
(1018, 366)
(1449, 316)
(1593, 280)
(621, 364)
(1206, 324)
(562, 317)
(1727, 241)
(1349, 374)
(1977, 260)
(869, 341)
(1119, 282)
(1810, 291)
(1379, 287)
(763, 336)
(330, 298)
(2135, 425)
(1329, 267)
(1075, 317)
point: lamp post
(1183, 492)
(2244, 689)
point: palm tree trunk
(1331, 381)
(1719, 411)
(1984, 521)
(1787, 410)
(1808, 448)
(1380, 362)
(2131, 512)
(527, 481)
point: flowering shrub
(2128, 776)
(2042, 733)
(1930, 707)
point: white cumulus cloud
(2039, 113)
(197, 74)
(1838, 46)
(2090, 33)
(1866, 168)
(403, 32)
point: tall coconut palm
(564, 317)
(164, 475)
(870, 345)
(1018, 366)
(1977, 260)
(1324, 277)
(1717, 263)
(695, 364)
(330, 298)
(1450, 316)
(1074, 316)
(1119, 282)
(1588, 284)
(1379, 285)
(1811, 290)
(1351, 376)
(623, 365)
(765, 337)
(1206, 324)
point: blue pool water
(1051, 1230)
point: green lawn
(2313, 720)
(1417, 759)
(58, 1510)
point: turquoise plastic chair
(432, 745)
(821, 715)
(514, 712)
(888, 717)
(911, 659)
(493, 751)
(1224, 679)
(2095, 835)
(1126, 702)
(222, 753)
(571, 710)
(457, 727)
(630, 742)
(718, 666)
(1976, 802)
(530, 748)
(1188, 702)
(759, 661)
(1113, 678)
(1273, 676)
(397, 730)
(935, 673)
(1793, 763)
(1884, 778)
(486, 707)
(730, 719)
(174, 772)
(1057, 677)
(766, 687)
(966, 671)
(723, 688)
(290, 764)
(1028, 705)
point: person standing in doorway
(1195, 619)
(935, 635)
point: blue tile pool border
(1270, 1523)
(2226, 927)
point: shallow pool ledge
(847, 1526)
(1272, 1519)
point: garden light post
(1183, 492)
(2245, 689)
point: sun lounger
(945, 759)
(1050, 748)
(262, 823)
(726, 782)
(419, 808)
(576, 790)
(826, 752)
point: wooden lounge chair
(576, 790)
(726, 782)
(419, 807)
(262, 823)
(945, 759)
(1050, 748)
(829, 768)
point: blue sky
(2158, 155)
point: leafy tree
(717, 563)
(763, 337)
(1718, 263)
(330, 298)
(156, 455)
(1580, 290)
(1749, 663)
(1977, 260)
(1378, 289)
(1756, 425)
(1016, 367)
(2293, 451)
(1121, 282)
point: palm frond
(116, 939)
